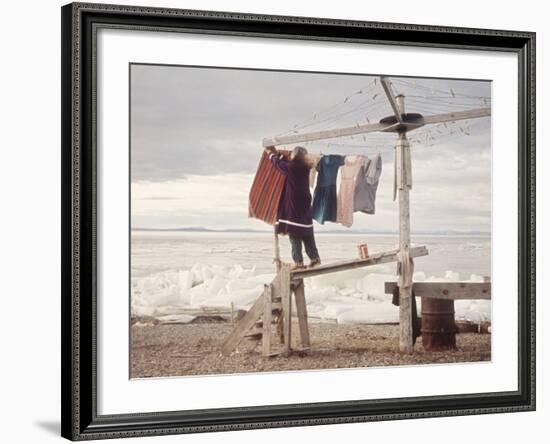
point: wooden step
(251, 322)
(244, 325)
(255, 333)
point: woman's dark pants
(309, 244)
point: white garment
(405, 269)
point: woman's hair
(299, 151)
(299, 156)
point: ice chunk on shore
(215, 284)
(353, 296)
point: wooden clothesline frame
(400, 123)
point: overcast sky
(196, 138)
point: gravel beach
(159, 350)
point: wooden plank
(391, 97)
(242, 327)
(326, 134)
(373, 259)
(255, 333)
(301, 310)
(266, 333)
(286, 297)
(448, 290)
(457, 115)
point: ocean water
(172, 271)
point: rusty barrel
(438, 324)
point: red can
(363, 251)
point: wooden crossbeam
(374, 127)
(447, 290)
(391, 98)
(326, 134)
(373, 259)
(457, 115)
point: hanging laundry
(324, 198)
(349, 171)
(313, 159)
(405, 269)
(294, 215)
(366, 185)
(266, 191)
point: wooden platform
(274, 305)
(374, 259)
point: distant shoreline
(319, 232)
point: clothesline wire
(359, 117)
(450, 92)
(448, 101)
(382, 104)
(361, 109)
(332, 108)
(435, 107)
(331, 119)
(390, 144)
(439, 133)
(412, 103)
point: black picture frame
(80, 420)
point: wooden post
(286, 300)
(301, 311)
(280, 328)
(404, 182)
(405, 301)
(266, 321)
(277, 249)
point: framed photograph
(274, 221)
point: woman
(294, 216)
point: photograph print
(299, 221)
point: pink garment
(349, 171)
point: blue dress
(324, 198)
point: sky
(196, 139)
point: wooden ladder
(273, 308)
